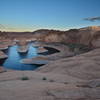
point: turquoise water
(13, 60)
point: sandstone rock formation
(41, 50)
(67, 76)
(85, 66)
(3, 55)
(39, 60)
(3, 46)
(87, 36)
(22, 46)
(2, 69)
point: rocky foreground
(73, 78)
(68, 75)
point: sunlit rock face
(2, 69)
(87, 36)
(96, 39)
(73, 77)
(53, 38)
(92, 28)
(22, 46)
(85, 66)
(16, 36)
(22, 43)
(3, 57)
(90, 36)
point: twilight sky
(30, 15)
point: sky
(30, 15)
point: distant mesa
(96, 28)
(86, 35)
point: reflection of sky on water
(13, 61)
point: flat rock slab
(36, 45)
(2, 69)
(3, 55)
(75, 93)
(3, 47)
(13, 88)
(31, 61)
(22, 49)
(41, 50)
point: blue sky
(30, 15)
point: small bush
(25, 78)
(98, 85)
(44, 78)
(51, 80)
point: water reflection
(13, 61)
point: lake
(13, 60)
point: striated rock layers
(84, 66)
(87, 36)
(68, 78)
(22, 46)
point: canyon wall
(88, 36)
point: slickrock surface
(2, 69)
(36, 60)
(84, 66)
(65, 77)
(37, 44)
(22, 46)
(41, 50)
(54, 87)
(3, 47)
(64, 51)
(4, 44)
(22, 49)
(74, 78)
(12, 87)
(2, 55)
(41, 59)
(87, 36)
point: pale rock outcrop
(39, 60)
(2, 69)
(3, 55)
(88, 36)
(84, 66)
(3, 46)
(41, 50)
(22, 46)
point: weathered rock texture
(63, 78)
(87, 36)
(22, 46)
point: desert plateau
(71, 73)
(49, 49)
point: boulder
(40, 60)
(41, 50)
(22, 49)
(3, 55)
(2, 69)
(3, 46)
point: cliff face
(91, 28)
(47, 35)
(87, 36)
(15, 35)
